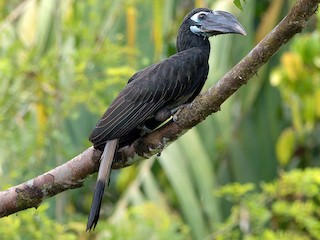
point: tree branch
(72, 174)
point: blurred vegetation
(247, 172)
(287, 208)
(298, 80)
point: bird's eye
(202, 16)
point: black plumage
(153, 93)
(163, 85)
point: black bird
(153, 94)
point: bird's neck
(186, 39)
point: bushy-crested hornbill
(153, 94)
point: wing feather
(169, 83)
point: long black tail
(103, 176)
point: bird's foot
(178, 109)
(175, 112)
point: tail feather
(96, 205)
(103, 176)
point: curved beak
(220, 22)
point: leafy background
(250, 171)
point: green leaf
(238, 4)
(285, 146)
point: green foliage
(285, 146)
(62, 63)
(287, 208)
(48, 65)
(238, 3)
(35, 224)
(234, 192)
(298, 80)
(145, 221)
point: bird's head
(202, 23)
(206, 23)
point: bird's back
(172, 82)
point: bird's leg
(161, 116)
(144, 129)
(178, 109)
(165, 113)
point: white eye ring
(202, 16)
(198, 17)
